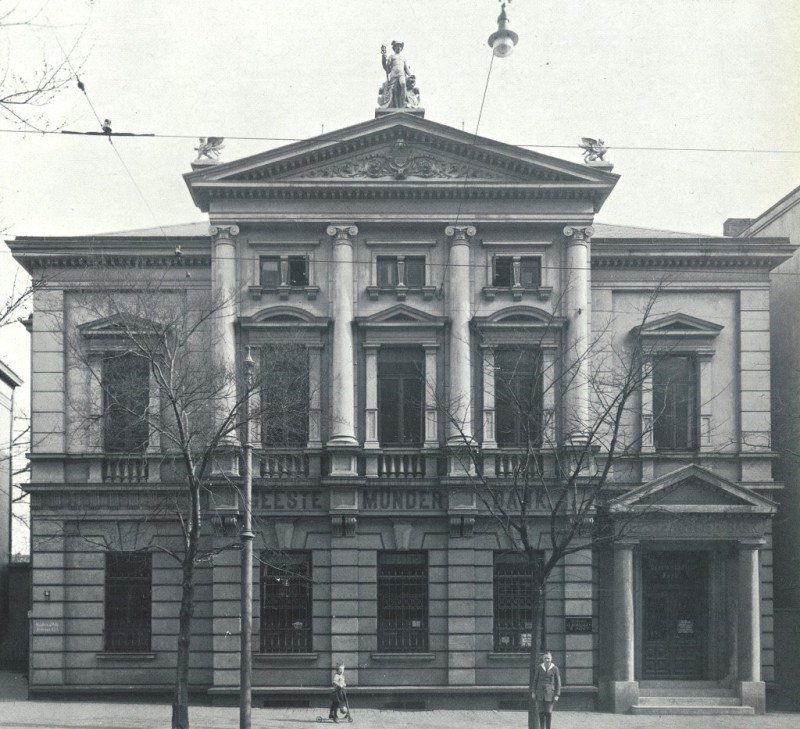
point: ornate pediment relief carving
(400, 163)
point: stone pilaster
(342, 440)
(459, 397)
(751, 688)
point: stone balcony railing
(286, 463)
(401, 463)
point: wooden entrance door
(675, 607)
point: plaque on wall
(578, 625)
(47, 627)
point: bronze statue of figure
(399, 91)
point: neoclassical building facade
(432, 281)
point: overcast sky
(638, 73)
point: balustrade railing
(516, 463)
(401, 464)
(124, 469)
(283, 464)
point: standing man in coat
(546, 689)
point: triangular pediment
(681, 324)
(119, 325)
(400, 150)
(693, 489)
(402, 315)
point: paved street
(18, 713)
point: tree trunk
(180, 704)
(536, 651)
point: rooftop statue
(593, 149)
(210, 148)
(399, 91)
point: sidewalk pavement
(18, 713)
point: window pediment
(533, 325)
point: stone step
(677, 684)
(689, 701)
(675, 710)
(687, 692)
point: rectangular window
(401, 270)
(126, 398)
(286, 625)
(402, 602)
(129, 595)
(675, 403)
(270, 271)
(525, 271)
(284, 395)
(401, 395)
(518, 396)
(284, 271)
(513, 600)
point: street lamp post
(246, 536)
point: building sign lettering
(578, 625)
(304, 500)
(402, 500)
(47, 627)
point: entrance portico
(686, 588)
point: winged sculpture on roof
(210, 147)
(593, 149)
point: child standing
(546, 689)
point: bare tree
(156, 397)
(529, 477)
(30, 80)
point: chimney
(734, 227)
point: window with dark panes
(529, 276)
(675, 406)
(401, 395)
(286, 625)
(518, 396)
(126, 398)
(284, 271)
(406, 270)
(284, 395)
(402, 602)
(270, 271)
(298, 271)
(128, 602)
(513, 603)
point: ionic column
(223, 265)
(577, 355)
(458, 309)
(342, 429)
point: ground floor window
(128, 602)
(402, 602)
(513, 603)
(286, 603)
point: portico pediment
(693, 489)
(398, 151)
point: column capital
(751, 544)
(223, 232)
(627, 544)
(460, 232)
(578, 234)
(342, 232)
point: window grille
(675, 403)
(401, 396)
(284, 396)
(402, 602)
(128, 604)
(126, 398)
(286, 625)
(513, 603)
(518, 397)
